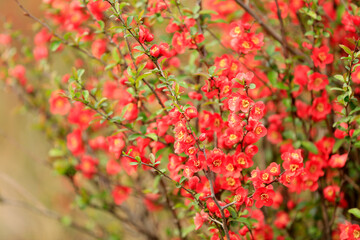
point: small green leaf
(212, 70)
(346, 49)
(129, 20)
(183, 178)
(66, 220)
(56, 152)
(55, 45)
(102, 25)
(207, 11)
(355, 212)
(252, 86)
(153, 136)
(309, 146)
(134, 136)
(272, 76)
(337, 145)
(232, 212)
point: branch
(164, 175)
(282, 27)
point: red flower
(179, 42)
(145, 35)
(356, 76)
(260, 131)
(257, 111)
(314, 169)
(321, 56)
(42, 37)
(338, 161)
(59, 104)
(98, 47)
(339, 133)
(273, 169)
(237, 29)
(263, 197)
(240, 195)
(302, 109)
(240, 102)
(80, 116)
(155, 51)
(320, 108)
(330, 192)
(113, 167)
(97, 8)
(88, 166)
(282, 219)
(40, 52)
(191, 112)
(242, 161)
(317, 81)
(199, 219)
(120, 194)
(300, 75)
(354, 232)
(216, 160)
(232, 137)
(116, 144)
(131, 112)
(75, 143)
(151, 202)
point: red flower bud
(202, 137)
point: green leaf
(272, 76)
(212, 70)
(346, 49)
(56, 153)
(232, 212)
(337, 145)
(207, 11)
(66, 220)
(309, 146)
(102, 25)
(80, 73)
(85, 94)
(55, 45)
(252, 86)
(355, 212)
(183, 178)
(339, 77)
(153, 136)
(129, 20)
(134, 136)
(242, 220)
(355, 110)
(122, 5)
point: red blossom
(120, 194)
(263, 197)
(321, 56)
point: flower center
(264, 197)
(217, 162)
(320, 107)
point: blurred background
(25, 180)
